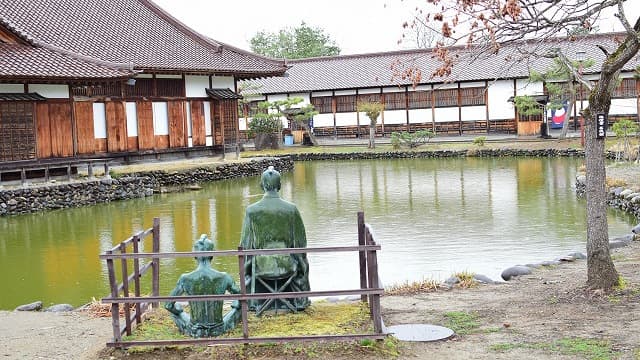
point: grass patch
(612, 183)
(462, 323)
(321, 318)
(414, 287)
(585, 348)
(466, 279)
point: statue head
(270, 180)
(204, 244)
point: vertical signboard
(601, 126)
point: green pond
(432, 217)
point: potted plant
(266, 127)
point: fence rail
(369, 291)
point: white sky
(357, 26)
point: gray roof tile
(125, 31)
(374, 70)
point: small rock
(483, 279)
(12, 202)
(34, 306)
(452, 281)
(550, 263)
(636, 229)
(59, 308)
(514, 271)
(578, 255)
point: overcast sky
(357, 26)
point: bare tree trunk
(570, 106)
(372, 136)
(307, 128)
(601, 273)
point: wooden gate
(17, 131)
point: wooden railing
(370, 289)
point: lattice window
(395, 101)
(322, 104)
(626, 89)
(17, 134)
(169, 87)
(472, 96)
(446, 97)
(143, 87)
(363, 98)
(345, 103)
(163, 88)
(419, 99)
(106, 89)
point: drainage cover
(419, 332)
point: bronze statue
(269, 224)
(205, 318)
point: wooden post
(125, 289)
(90, 169)
(136, 279)
(115, 309)
(23, 176)
(362, 255)
(243, 291)
(68, 172)
(156, 261)
(374, 300)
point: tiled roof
(375, 70)
(28, 62)
(21, 97)
(222, 94)
(125, 31)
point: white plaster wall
(369, 91)
(472, 84)
(345, 92)
(346, 119)
(99, 121)
(207, 118)
(11, 88)
(421, 88)
(322, 120)
(50, 91)
(445, 86)
(187, 108)
(447, 114)
(196, 85)
(305, 98)
(132, 119)
(623, 106)
(225, 82)
(321, 93)
(160, 118)
(498, 95)
(524, 87)
(417, 116)
(276, 97)
(393, 89)
(242, 123)
(391, 117)
(470, 113)
(144, 76)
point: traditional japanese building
(474, 98)
(95, 78)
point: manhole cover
(419, 332)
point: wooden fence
(370, 289)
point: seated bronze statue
(273, 223)
(205, 317)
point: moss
(584, 348)
(462, 323)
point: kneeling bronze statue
(205, 318)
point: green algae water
(432, 217)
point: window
(345, 103)
(395, 101)
(106, 89)
(419, 99)
(472, 96)
(626, 89)
(322, 104)
(446, 97)
(163, 87)
(363, 98)
(17, 138)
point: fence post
(156, 261)
(125, 289)
(374, 299)
(115, 309)
(362, 255)
(136, 279)
(243, 291)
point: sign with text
(601, 126)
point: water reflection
(432, 217)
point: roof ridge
(125, 67)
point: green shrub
(480, 140)
(411, 140)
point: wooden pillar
(243, 291)
(459, 110)
(357, 113)
(433, 108)
(406, 105)
(334, 109)
(362, 255)
(486, 103)
(155, 291)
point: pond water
(432, 217)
